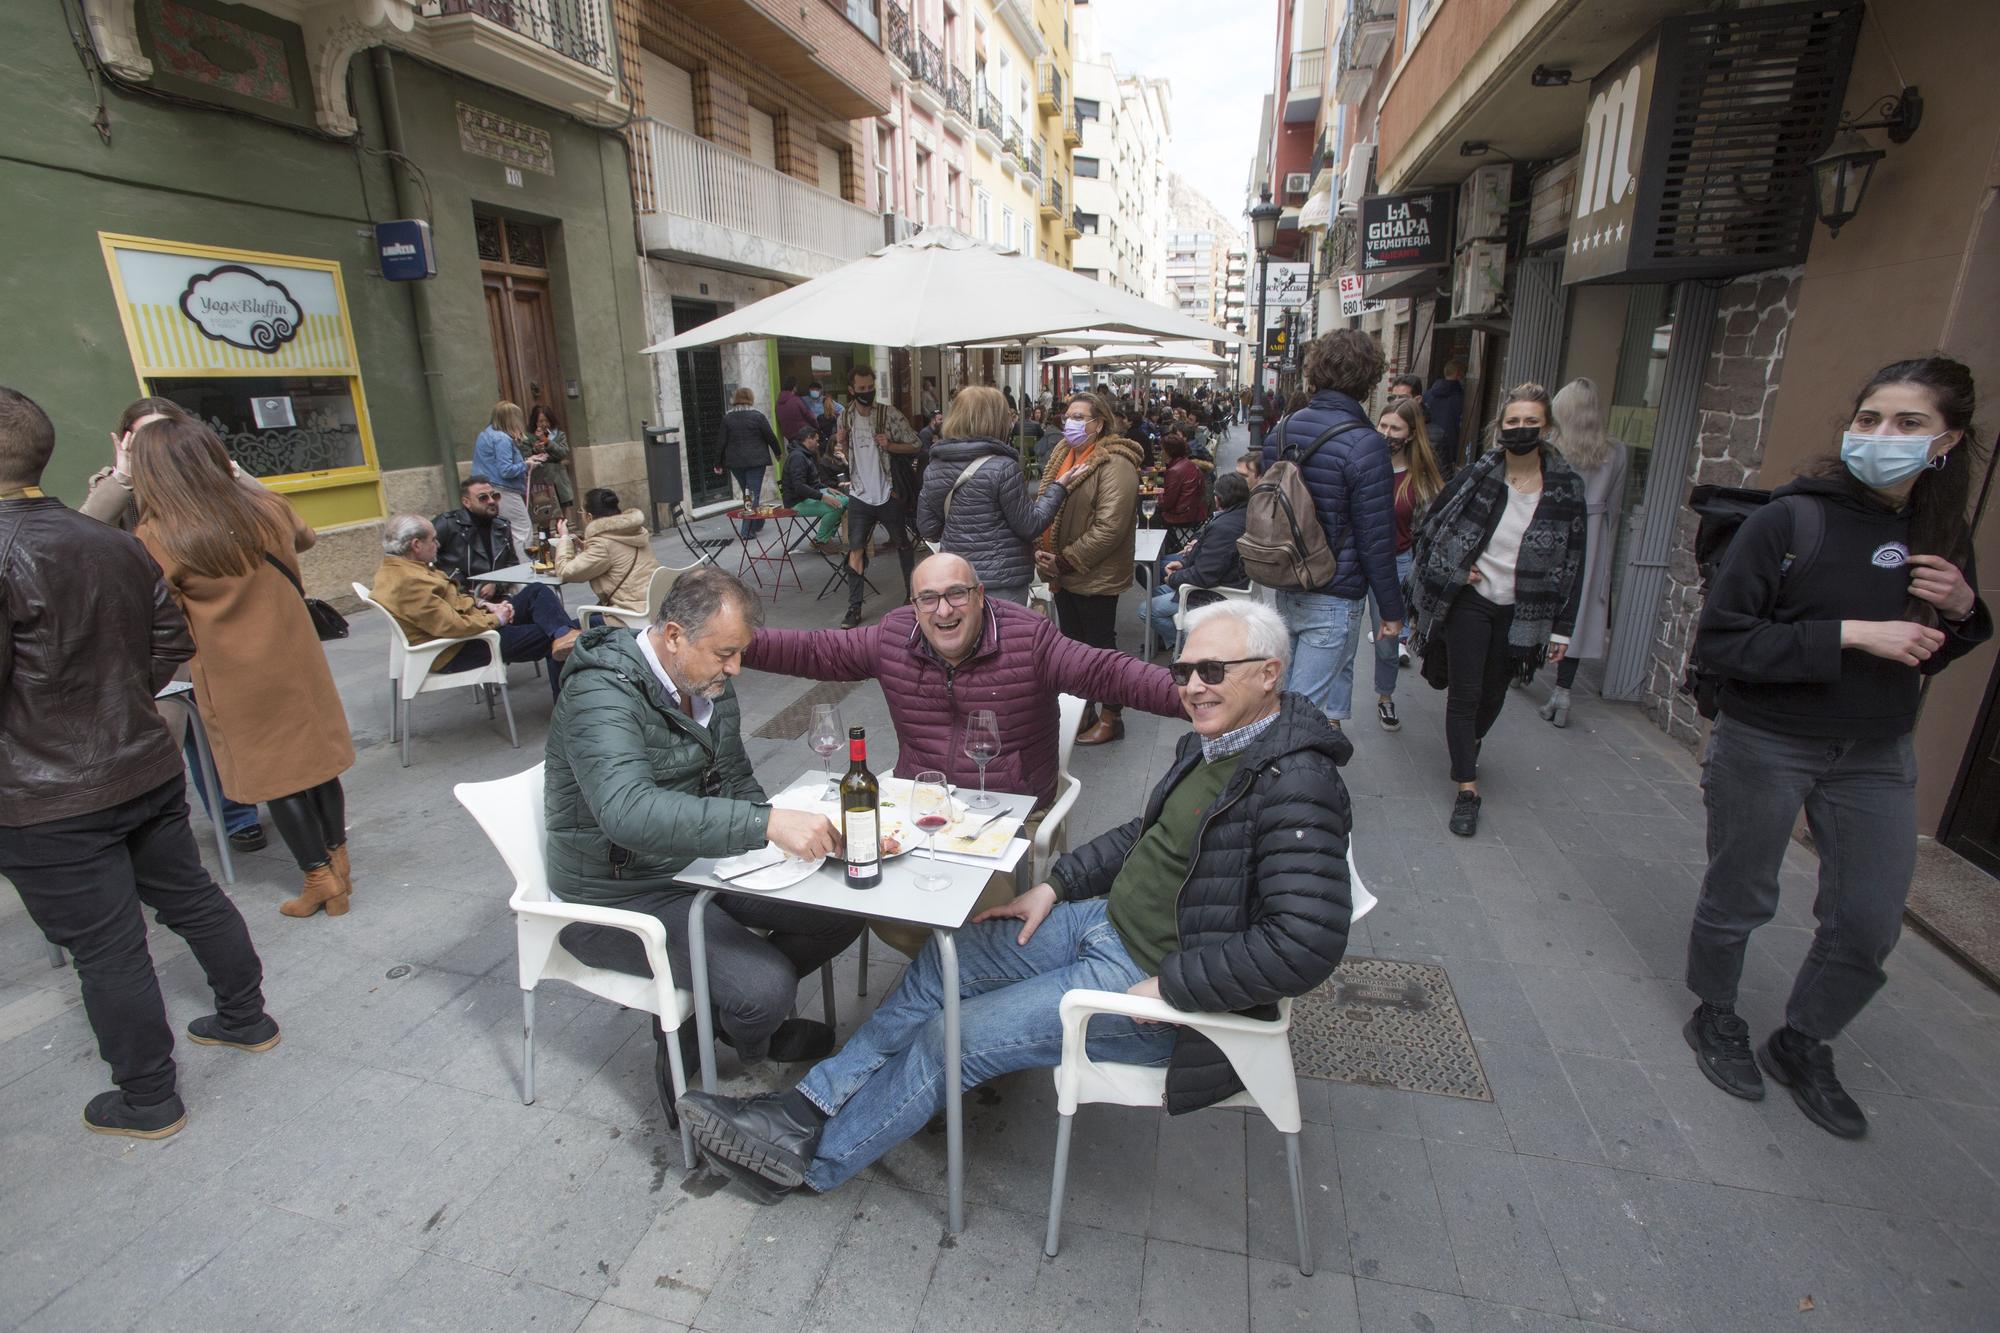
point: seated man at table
(807, 486)
(952, 651)
(532, 623)
(1209, 561)
(1228, 894)
(646, 772)
(474, 539)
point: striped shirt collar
(1237, 741)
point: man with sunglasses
(952, 651)
(1228, 894)
(475, 538)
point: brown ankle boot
(335, 906)
(565, 645)
(1110, 727)
(322, 887)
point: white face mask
(1884, 460)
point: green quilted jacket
(625, 776)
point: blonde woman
(975, 500)
(497, 456)
(1418, 482)
(1601, 461)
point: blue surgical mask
(1075, 429)
(814, 395)
(1883, 460)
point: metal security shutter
(763, 139)
(668, 90)
(829, 169)
(1534, 344)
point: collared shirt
(1235, 742)
(696, 706)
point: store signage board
(1607, 174)
(404, 247)
(1287, 285)
(189, 311)
(1353, 304)
(1406, 230)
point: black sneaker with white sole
(210, 1030)
(1385, 709)
(1721, 1044)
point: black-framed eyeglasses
(953, 597)
(1210, 670)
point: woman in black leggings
(1494, 579)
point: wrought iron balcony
(579, 29)
(930, 62)
(901, 37)
(959, 95)
(1049, 90)
(989, 120)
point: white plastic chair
(630, 617)
(410, 674)
(1259, 1050)
(1246, 593)
(510, 812)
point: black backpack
(1722, 510)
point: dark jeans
(1475, 642)
(1566, 672)
(1860, 801)
(539, 620)
(87, 880)
(753, 979)
(1091, 619)
(751, 479)
(861, 521)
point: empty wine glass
(825, 735)
(982, 746)
(930, 807)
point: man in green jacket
(646, 772)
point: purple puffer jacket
(1021, 665)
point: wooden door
(519, 313)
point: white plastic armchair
(1259, 1050)
(410, 674)
(510, 812)
(1052, 838)
(1246, 593)
(635, 617)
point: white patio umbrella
(938, 288)
(1151, 354)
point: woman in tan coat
(616, 553)
(260, 678)
(1086, 554)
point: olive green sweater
(1143, 909)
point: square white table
(1146, 546)
(516, 574)
(896, 898)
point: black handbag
(327, 622)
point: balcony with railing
(1365, 39)
(701, 202)
(987, 122)
(1011, 151)
(927, 89)
(559, 52)
(899, 38)
(1072, 126)
(1049, 89)
(1031, 159)
(958, 96)
(1303, 85)
(1052, 199)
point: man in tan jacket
(532, 623)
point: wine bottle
(860, 819)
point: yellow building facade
(1018, 171)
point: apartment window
(920, 186)
(669, 91)
(885, 183)
(1086, 109)
(1414, 22)
(1090, 273)
(951, 179)
(1084, 166)
(861, 13)
(982, 205)
(1007, 226)
(763, 138)
(1087, 223)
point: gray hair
(699, 595)
(1578, 422)
(1264, 630)
(401, 532)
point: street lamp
(1264, 233)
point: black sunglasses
(1211, 670)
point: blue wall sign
(404, 248)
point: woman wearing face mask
(1495, 574)
(1417, 484)
(1823, 652)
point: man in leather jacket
(474, 538)
(94, 834)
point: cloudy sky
(1219, 58)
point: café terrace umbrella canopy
(1072, 338)
(939, 288)
(1153, 354)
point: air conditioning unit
(1479, 279)
(1482, 203)
(1354, 181)
(1298, 182)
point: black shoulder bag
(327, 622)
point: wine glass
(1149, 505)
(930, 807)
(825, 735)
(982, 746)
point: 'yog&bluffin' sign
(1406, 230)
(242, 307)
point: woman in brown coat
(615, 555)
(1086, 554)
(260, 678)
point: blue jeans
(539, 620)
(235, 816)
(886, 1083)
(1161, 609)
(1386, 664)
(1325, 630)
(751, 479)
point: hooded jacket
(747, 438)
(795, 415)
(1773, 632)
(993, 521)
(615, 555)
(1096, 526)
(805, 476)
(1353, 487)
(622, 792)
(1022, 662)
(1264, 910)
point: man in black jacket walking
(1228, 894)
(93, 807)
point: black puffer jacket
(1353, 486)
(747, 438)
(993, 520)
(804, 477)
(1265, 908)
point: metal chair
(410, 674)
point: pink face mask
(1074, 429)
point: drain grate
(1388, 1024)
(790, 722)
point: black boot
(774, 1134)
(1803, 1066)
(1721, 1044)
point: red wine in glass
(932, 823)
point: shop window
(275, 427)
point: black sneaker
(1721, 1044)
(261, 1035)
(249, 839)
(1804, 1067)
(1385, 709)
(110, 1113)
(762, 1134)
(1465, 814)
(752, 1184)
(852, 620)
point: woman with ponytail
(1831, 605)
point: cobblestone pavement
(378, 1170)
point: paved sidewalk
(378, 1170)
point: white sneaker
(1402, 657)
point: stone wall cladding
(1753, 317)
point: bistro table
(771, 545)
(515, 574)
(1146, 555)
(896, 898)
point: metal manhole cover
(1390, 1025)
(790, 722)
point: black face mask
(1521, 439)
(865, 397)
